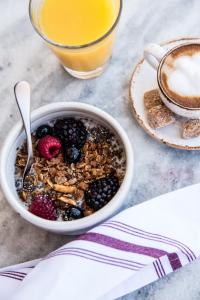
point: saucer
(143, 80)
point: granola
(66, 183)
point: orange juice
(75, 23)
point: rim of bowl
(85, 222)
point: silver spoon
(22, 94)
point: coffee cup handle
(153, 54)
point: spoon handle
(22, 94)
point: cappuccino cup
(178, 77)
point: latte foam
(180, 75)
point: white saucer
(143, 80)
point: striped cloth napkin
(136, 247)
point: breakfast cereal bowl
(46, 115)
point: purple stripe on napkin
(174, 261)
(130, 247)
(21, 274)
(13, 273)
(109, 226)
(163, 271)
(157, 237)
(93, 258)
(123, 263)
(157, 272)
(11, 276)
(159, 269)
(101, 256)
(147, 237)
(121, 245)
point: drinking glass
(81, 61)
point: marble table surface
(158, 169)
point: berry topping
(43, 130)
(49, 146)
(73, 213)
(72, 155)
(42, 206)
(71, 132)
(101, 191)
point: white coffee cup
(156, 56)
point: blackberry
(43, 130)
(73, 213)
(71, 132)
(101, 191)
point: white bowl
(17, 136)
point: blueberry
(43, 130)
(72, 154)
(19, 184)
(73, 213)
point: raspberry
(42, 206)
(101, 191)
(49, 146)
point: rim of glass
(78, 46)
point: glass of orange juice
(80, 32)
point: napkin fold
(134, 248)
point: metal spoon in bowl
(22, 94)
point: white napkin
(136, 247)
